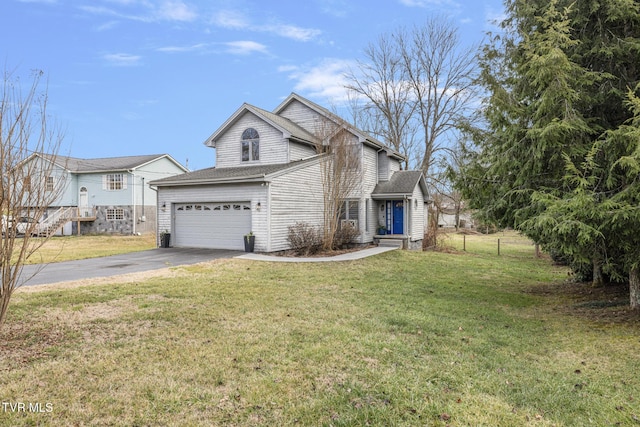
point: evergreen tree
(559, 155)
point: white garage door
(211, 225)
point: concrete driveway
(135, 262)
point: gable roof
(402, 183)
(257, 173)
(105, 164)
(362, 136)
(292, 130)
(288, 128)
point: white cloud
(447, 7)
(179, 49)
(325, 80)
(107, 26)
(493, 18)
(145, 11)
(245, 47)
(39, 1)
(176, 11)
(427, 3)
(122, 59)
(337, 8)
(230, 19)
(293, 32)
(236, 20)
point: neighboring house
(454, 214)
(105, 195)
(268, 176)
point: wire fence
(507, 243)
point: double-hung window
(114, 182)
(49, 183)
(349, 212)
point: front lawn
(403, 338)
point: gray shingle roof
(78, 165)
(401, 183)
(238, 174)
(296, 131)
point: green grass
(403, 338)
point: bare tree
(422, 76)
(442, 78)
(383, 82)
(341, 173)
(29, 182)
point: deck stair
(56, 221)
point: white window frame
(114, 182)
(344, 212)
(251, 145)
(49, 183)
(115, 214)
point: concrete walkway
(350, 256)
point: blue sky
(129, 77)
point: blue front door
(398, 217)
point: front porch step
(391, 243)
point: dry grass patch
(66, 248)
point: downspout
(157, 214)
(133, 200)
(405, 213)
(268, 216)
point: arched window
(250, 145)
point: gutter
(205, 181)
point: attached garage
(219, 225)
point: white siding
(300, 151)
(383, 166)
(254, 193)
(303, 116)
(394, 165)
(273, 147)
(367, 205)
(418, 218)
(295, 196)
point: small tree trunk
(598, 277)
(634, 288)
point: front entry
(83, 203)
(395, 216)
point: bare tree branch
(417, 82)
(30, 181)
(341, 172)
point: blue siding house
(105, 195)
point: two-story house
(104, 195)
(268, 176)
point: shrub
(304, 238)
(345, 235)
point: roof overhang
(214, 181)
(390, 196)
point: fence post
(498, 246)
(464, 242)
